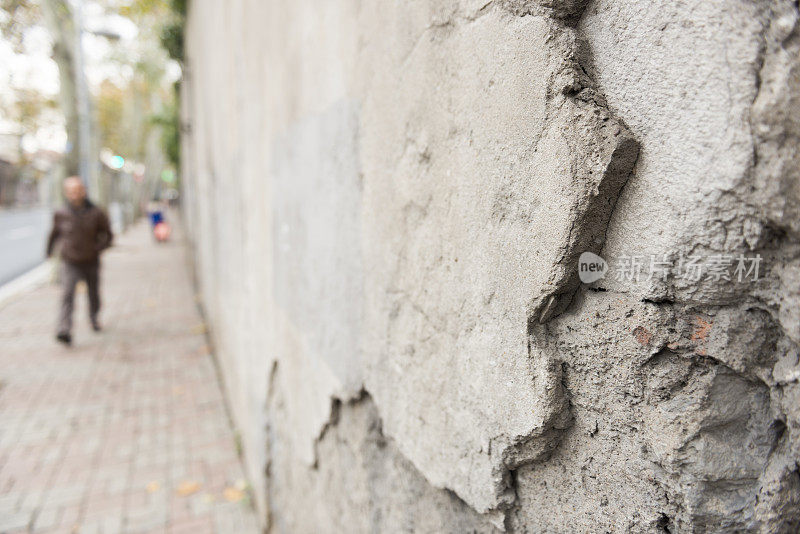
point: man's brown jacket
(83, 233)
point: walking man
(82, 231)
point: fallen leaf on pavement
(153, 487)
(232, 494)
(187, 488)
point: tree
(21, 15)
(61, 25)
(110, 111)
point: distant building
(26, 179)
(9, 172)
(8, 182)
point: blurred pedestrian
(155, 213)
(158, 222)
(82, 232)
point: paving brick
(16, 521)
(197, 525)
(46, 519)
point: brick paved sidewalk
(126, 431)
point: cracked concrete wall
(387, 203)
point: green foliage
(171, 14)
(139, 8)
(172, 39)
(179, 7)
(173, 11)
(169, 122)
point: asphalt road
(23, 237)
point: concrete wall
(388, 202)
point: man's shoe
(96, 326)
(64, 337)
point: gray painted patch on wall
(316, 218)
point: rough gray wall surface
(387, 202)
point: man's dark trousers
(71, 274)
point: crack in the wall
(356, 425)
(567, 12)
(269, 432)
(449, 22)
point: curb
(26, 282)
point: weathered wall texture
(388, 201)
